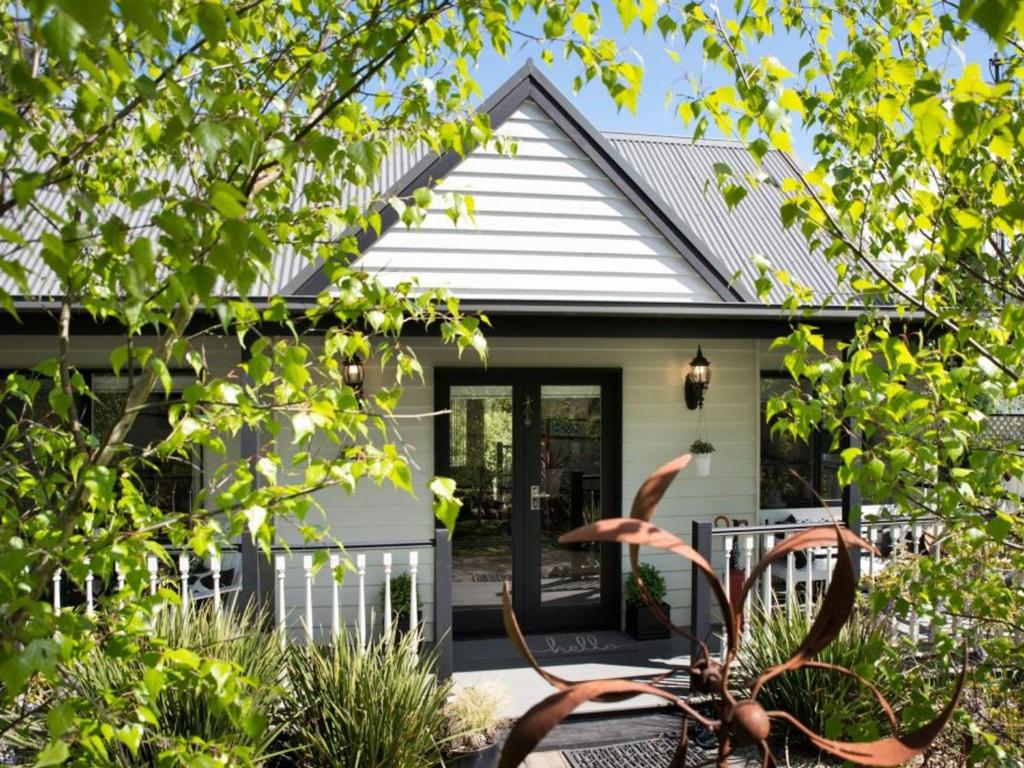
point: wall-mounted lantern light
(697, 380)
(354, 374)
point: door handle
(536, 496)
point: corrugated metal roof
(31, 222)
(682, 172)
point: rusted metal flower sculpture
(739, 720)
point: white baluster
(828, 566)
(120, 584)
(215, 570)
(153, 566)
(90, 606)
(727, 577)
(361, 615)
(809, 584)
(56, 590)
(748, 556)
(387, 594)
(335, 602)
(183, 567)
(790, 583)
(307, 567)
(871, 553)
(414, 561)
(915, 535)
(279, 568)
(766, 578)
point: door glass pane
(569, 494)
(480, 454)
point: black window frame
(819, 446)
(86, 412)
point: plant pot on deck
(643, 624)
(488, 757)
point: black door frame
(526, 382)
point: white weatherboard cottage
(603, 262)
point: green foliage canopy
(915, 196)
(171, 150)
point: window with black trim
(794, 473)
(168, 482)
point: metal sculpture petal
(739, 720)
(638, 532)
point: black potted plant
(401, 595)
(641, 621)
(473, 725)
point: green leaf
(998, 527)
(446, 505)
(994, 16)
(63, 34)
(211, 20)
(422, 197)
(91, 14)
(226, 200)
(55, 753)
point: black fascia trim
(529, 83)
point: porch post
(443, 603)
(851, 493)
(700, 593)
(257, 570)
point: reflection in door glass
(480, 453)
(570, 493)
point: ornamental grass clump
(381, 707)
(828, 703)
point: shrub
(184, 709)
(473, 718)
(401, 596)
(653, 582)
(830, 703)
(377, 708)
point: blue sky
(663, 76)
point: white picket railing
(187, 584)
(810, 572)
(361, 618)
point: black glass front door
(535, 454)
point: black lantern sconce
(697, 381)
(354, 374)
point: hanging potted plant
(641, 622)
(702, 450)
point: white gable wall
(549, 225)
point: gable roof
(669, 179)
(678, 168)
(529, 84)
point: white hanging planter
(703, 462)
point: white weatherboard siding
(548, 225)
(656, 427)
